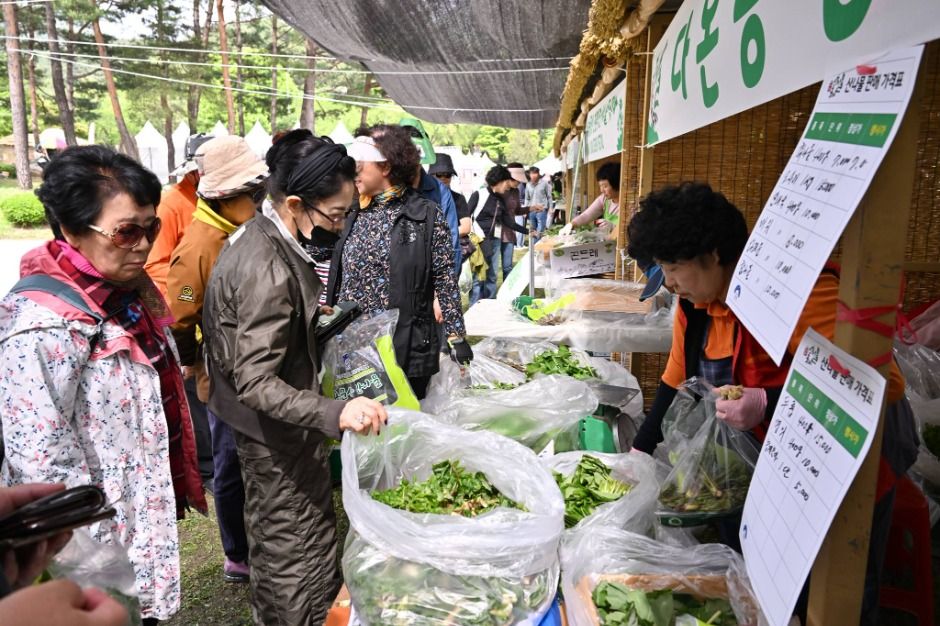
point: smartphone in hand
(54, 514)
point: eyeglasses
(128, 236)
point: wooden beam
(873, 255)
(922, 266)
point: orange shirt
(176, 212)
(818, 313)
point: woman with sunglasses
(101, 402)
(231, 187)
(261, 311)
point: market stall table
(491, 318)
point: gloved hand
(566, 229)
(744, 413)
(460, 351)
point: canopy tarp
(453, 36)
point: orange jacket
(176, 212)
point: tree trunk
(366, 90)
(164, 100)
(273, 75)
(66, 117)
(17, 99)
(33, 103)
(238, 68)
(128, 145)
(226, 77)
(307, 119)
(70, 68)
(201, 33)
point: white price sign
(583, 260)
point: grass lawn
(207, 599)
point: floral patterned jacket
(99, 420)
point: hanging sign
(717, 59)
(856, 117)
(603, 132)
(818, 438)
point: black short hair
(400, 152)
(288, 151)
(683, 222)
(79, 180)
(611, 173)
(497, 174)
(514, 164)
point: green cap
(420, 138)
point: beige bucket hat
(228, 167)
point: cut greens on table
(618, 605)
(450, 490)
(588, 487)
(560, 361)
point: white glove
(566, 229)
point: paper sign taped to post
(857, 114)
(818, 438)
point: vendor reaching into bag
(696, 236)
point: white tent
(180, 135)
(152, 147)
(549, 165)
(258, 140)
(341, 134)
(220, 129)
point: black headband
(314, 168)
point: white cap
(363, 149)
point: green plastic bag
(360, 361)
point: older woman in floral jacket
(101, 403)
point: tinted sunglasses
(128, 235)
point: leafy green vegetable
(395, 592)
(501, 386)
(931, 434)
(618, 605)
(588, 487)
(719, 483)
(560, 361)
(450, 490)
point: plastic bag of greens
(712, 463)
(89, 563)
(543, 415)
(613, 577)
(360, 361)
(430, 569)
(616, 490)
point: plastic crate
(553, 617)
(596, 435)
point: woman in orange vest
(696, 236)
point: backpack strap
(55, 287)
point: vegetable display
(494, 385)
(589, 486)
(717, 483)
(395, 592)
(619, 605)
(560, 361)
(450, 490)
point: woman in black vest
(396, 253)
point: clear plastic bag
(616, 556)
(543, 415)
(616, 301)
(89, 563)
(712, 463)
(633, 511)
(921, 368)
(436, 570)
(360, 361)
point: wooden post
(873, 247)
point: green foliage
(560, 361)
(494, 141)
(23, 209)
(523, 146)
(619, 605)
(588, 487)
(9, 169)
(450, 490)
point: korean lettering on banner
(856, 116)
(721, 57)
(584, 260)
(819, 435)
(603, 133)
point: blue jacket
(434, 190)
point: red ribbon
(865, 318)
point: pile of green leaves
(560, 361)
(931, 435)
(718, 483)
(588, 487)
(500, 386)
(396, 592)
(618, 605)
(450, 490)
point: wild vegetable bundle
(589, 486)
(618, 605)
(560, 361)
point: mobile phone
(53, 514)
(343, 314)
